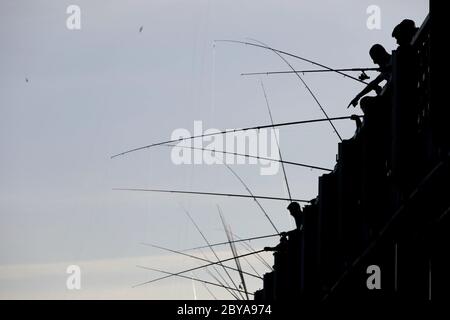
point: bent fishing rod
(304, 83)
(232, 131)
(308, 71)
(210, 194)
(293, 56)
(197, 268)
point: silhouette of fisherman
(379, 56)
(296, 212)
(404, 33)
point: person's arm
(373, 85)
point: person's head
(379, 55)
(404, 32)
(294, 208)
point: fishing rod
(220, 275)
(258, 256)
(253, 196)
(239, 240)
(210, 194)
(232, 131)
(249, 248)
(278, 144)
(218, 281)
(293, 56)
(209, 291)
(251, 193)
(306, 86)
(211, 248)
(197, 268)
(194, 279)
(194, 257)
(308, 71)
(233, 251)
(251, 156)
(251, 266)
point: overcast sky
(69, 99)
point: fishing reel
(363, 76)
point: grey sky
(107, 88)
